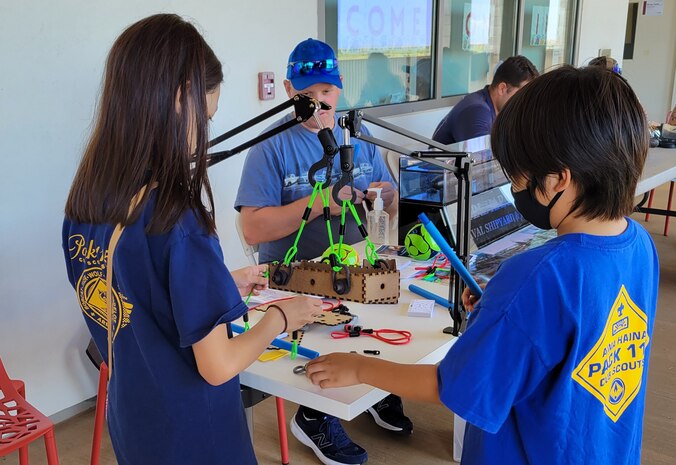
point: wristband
(286, 322)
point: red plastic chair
(101, 400)
(21, 423)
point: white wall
(52, 56)
(653, 69)
(602, 26)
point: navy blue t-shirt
(471, 117)
(553, 365)
(172, 289)
(276, 173)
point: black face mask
(532, 210)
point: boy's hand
(250, 279)
(469, 300)
(335, 370)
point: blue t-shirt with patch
(553, 365)
(172, 289)
(472, 117)
(276, 173)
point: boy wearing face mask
(553, 365)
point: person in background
(273, 194)
(606, 62)
(174, 393)
(473, 116)
(553, 365)
(382, 85)
(671, 117)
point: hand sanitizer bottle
(378, 220)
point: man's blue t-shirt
(472, 117)
(553, 365)
(276, 173)
(173, 289)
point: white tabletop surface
(428, 345)
(660, 167)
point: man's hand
(250, 279)
(387, 193)
(335, 370)
(344, 194)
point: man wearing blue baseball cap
(273, 194)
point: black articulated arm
(304, 108)
(462, 171)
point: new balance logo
(320, 440)
(382, 405)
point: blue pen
(450, 255)
(281, 344)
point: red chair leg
(666, 218)
(281, 424)
(650, 203)
(100, 414)
(23, 456)
(50, 446)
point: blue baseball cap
(312, 62)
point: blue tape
(281, 344)
(450, 254)
(429, 295)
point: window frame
(437, 101)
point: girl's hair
(588, 120)
(141, 136)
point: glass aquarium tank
(428, 184)
(429, 188)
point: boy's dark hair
(515, 70)
(587, 120)
(140, 138)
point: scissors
(300, 369)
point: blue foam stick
(450, 254)
(281, 344)
(429, 295)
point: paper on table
(268, 295)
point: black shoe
(327, 439)
(389, 414)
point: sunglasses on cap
(314, 67)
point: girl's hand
(250, 279)
(300, 311)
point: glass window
(475, 36)
(547, 32)
(384, 50)
(424, 54)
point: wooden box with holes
(367, 284)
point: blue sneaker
(389, 414)
(327, 439)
